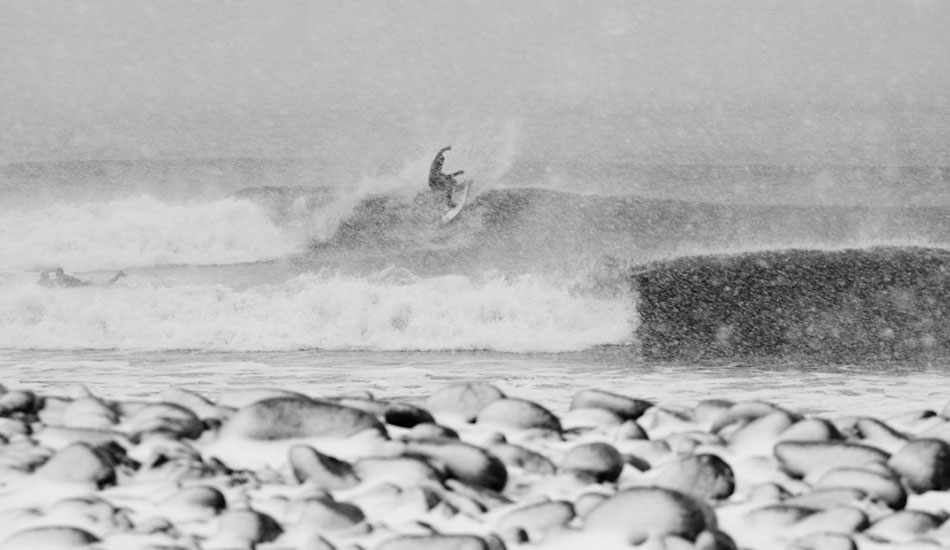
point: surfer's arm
(436, 167)
(459, 173)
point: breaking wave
(391, 310)
(141, 231)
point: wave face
(878, 303)
(390, 310)
(534, 229)
(141, 231)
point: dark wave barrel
(878, 303)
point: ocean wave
(882, 303)
(541, 227)
(142, 231)
(390, 311)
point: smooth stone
(905, 525)
(153, 525)
(516, 456)
(708, 411)
(52, 411)
(201, 406)
(413, 502)
(714, 540)
(248, 525)
(428, 430)
(586, 502)
(661, 422)
(326, 514)
(537, 519)
(939, 430)
(463, 461)
(630, 429)
(195, 503)
(402, 471)
(464, 400)
(591, 418)
(742, 413)
(909, 420)
(463, 504)
(625, 407)
(758, 435)
(367, 405)
(177, 469)
(18, 401)
(824, 541)
(875, 433)
(642, 511)
(811, 429)
(156, 447)
(168, 418)
(644, 451)
(435, 542)
(763, 494)
(705, 476)
(598, 458)
(775, 518)
(564, 485)
(52, 537)
(317, 542)
(685, 442)
(79, 463)
(405, 415)
(875, 485)
(323, 471)
(10, 427)
(842, 519)
(924, 465)
(58, 437)
(821, 499)
(238, 399)
(23, 455)
(487, 498)
(89, 412)
(92, 513)
(294, 417)
(376, 498)
(810, 459)
(518, 414)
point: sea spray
(315, 311)
(142, 231)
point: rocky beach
(467, 467)
(479, 275)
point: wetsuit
(443, 182)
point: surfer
(443, 182)
(58, 278)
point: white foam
(141, 231)
(329, 312)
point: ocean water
(243, 273)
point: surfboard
(459, 194)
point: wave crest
(141, 231)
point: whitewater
(244, 272)
(319, 311)
(241, 281)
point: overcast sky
(68, 65)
